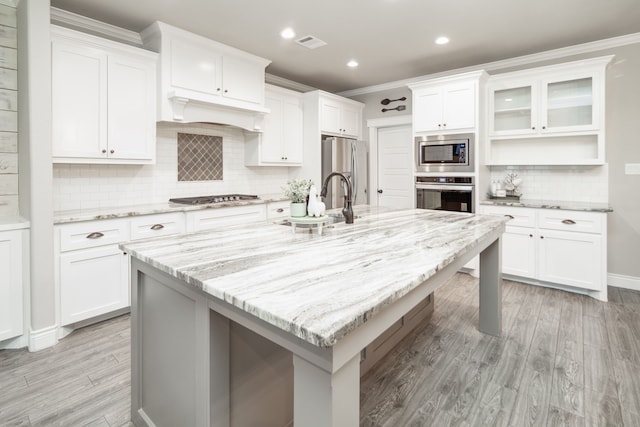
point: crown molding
(74, 21)
(506, 63)
(287, 84)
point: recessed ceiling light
(442, 40)
(287, 33)
(352, 64)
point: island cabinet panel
(103, 100)
(555, 247)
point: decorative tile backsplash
(80, 186)
(199, 157)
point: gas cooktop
(204, 200)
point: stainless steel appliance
(349, 157)
(448, 193)
(445, 153)
(220, 198)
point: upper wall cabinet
(446, 104)
(339, 116)
(280, 143)
(103, 100)
(548, 115)
(206, 81)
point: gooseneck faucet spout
(347, 210)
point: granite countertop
(551, 204)
(77, 215)
(8, 223)
(319, 287)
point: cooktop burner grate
(204, 200)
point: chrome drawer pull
(95, 235)
(157, 227)
(568, 221)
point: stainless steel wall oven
(449, 193)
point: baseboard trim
(622, 281)
(43, 338)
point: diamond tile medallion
(199, 157)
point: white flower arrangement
(297, 190)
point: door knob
(380, 191)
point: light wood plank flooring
(564, 359)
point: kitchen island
(321, 297)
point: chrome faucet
(347, 210)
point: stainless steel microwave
(444, 153)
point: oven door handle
(444, 187)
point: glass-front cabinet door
(513, 109)
(568, 105)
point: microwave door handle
(444, 187)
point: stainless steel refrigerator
(349, 157)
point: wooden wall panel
(8, 142)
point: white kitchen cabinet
(92, 271)
(11, 291)
(340, 117)
(548, 115)
(278, 210)
(103, 100)
(280, 142)
(555, 247)
(209, 219)
(446, 104)
(203, 80)
(145, 226)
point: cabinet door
(293, 124)
(242, 79)
(273, 130)
(568, 104)
(11, 307)
(131, 99)
(427, 110)
(519, 252)
(350, 121)
(513, 109)
(459, 106)
(330, 117)
(573, 259)
(206, 77)
(92, 282)
(78, 101)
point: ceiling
(391, 39)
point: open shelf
(561, 150)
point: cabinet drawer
(278, 210)
(92, 234)
(207, 219)
(521, 217)
(157, 225)
(585, 222)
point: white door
(395, 168)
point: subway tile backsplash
(102, 186)
(566, 183)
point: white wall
(77, 186)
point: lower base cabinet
(95, 282)
(555, 247)
(11, 307)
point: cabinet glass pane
(570, 103)
(512, 109)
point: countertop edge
(555, 205)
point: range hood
(203, 81)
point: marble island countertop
(551, 204)
(319, 287)
(77, 215)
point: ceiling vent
(310, 42)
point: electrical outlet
(632, 169)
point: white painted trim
(78, 22)
(17, 342)
(287, 84)
(622, 281)
(43, 338)
(374, 125)
(507, 63)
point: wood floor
(563, 360)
